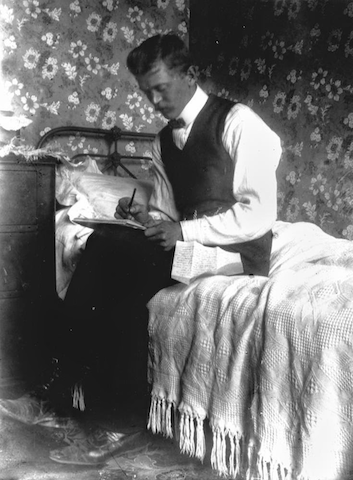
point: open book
(94, 222)
(192, 259)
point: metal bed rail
(111, 136)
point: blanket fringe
(271, 470)
(192, 436)
(160, 417)
(200, 439)
(218, 453)
(78, 398)
(192, 441)
(243, 461)
(234, 456)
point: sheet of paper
(182, 267)
(204, 260)
(192, 259)
(93, 222)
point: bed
(265, 364)
(97, 167)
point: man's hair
(168, 48)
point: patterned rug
(25, 455)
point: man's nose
(155, 98)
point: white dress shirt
(255, 150)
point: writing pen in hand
(131, 201)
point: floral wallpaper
(292, 62)
(63, 63)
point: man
(214, 182)
(215, 176)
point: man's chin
(166, 114)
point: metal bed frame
(112, 136)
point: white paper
(92, 222)
(191, 260)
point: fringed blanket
(268, 363)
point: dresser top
(21, 160)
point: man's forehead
(160, 67)
(159, 73)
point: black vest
(202, 173)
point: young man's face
(168, 90)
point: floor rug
(25, 453)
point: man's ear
(191, 74)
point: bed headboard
(106, 148)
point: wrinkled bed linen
(266, 362)
(88, 194)
(70, 241)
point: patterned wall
(292, 61)
(64, 62)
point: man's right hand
(165, 233)
(137, 211)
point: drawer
(18, 262)
(18, 197)
(27, 194)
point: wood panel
(27, 265)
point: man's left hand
(165, 233)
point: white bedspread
(268, 362)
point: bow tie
(176, 123)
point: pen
(131, 201)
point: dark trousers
(106, 315)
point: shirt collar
(194, 107)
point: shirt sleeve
(256, 151)
(161, 204)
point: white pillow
(103, 192)
(66, 174)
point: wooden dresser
(27, 266)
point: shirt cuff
(190, 231)
(159, 216)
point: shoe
(32, 411)
(95, 450)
